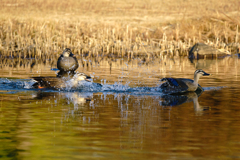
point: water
(129, 119)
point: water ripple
(85, 86)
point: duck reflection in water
(175, 100)
(77, 98)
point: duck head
(67, 53)
(81, 77)
(199, 73)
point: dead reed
(115, 29)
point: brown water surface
(122, 125)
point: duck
(59, 83)
(67, 61)
(182, 85)
(69, 74)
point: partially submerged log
(201, 50)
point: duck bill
(206, 74)
(89, 79)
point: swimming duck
(181, 85)
(69, 74)
(60, 83)
(67, 61)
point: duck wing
(49, 82)
(173, 86)
(199, 89)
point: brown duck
(59, 83)
(182, 85)
(67, 61)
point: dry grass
(43, 28)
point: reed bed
(43, 29)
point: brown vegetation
(115, 28)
